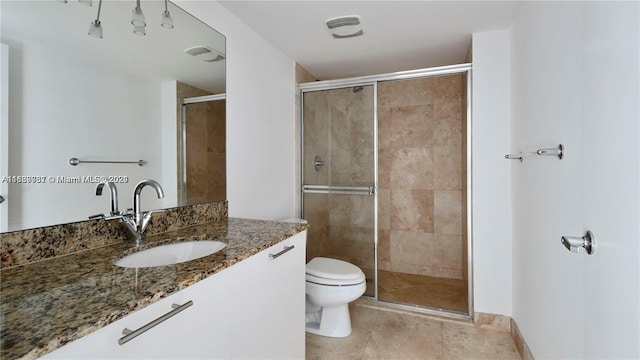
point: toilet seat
(325, 271)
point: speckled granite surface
(27, 246)
(46, 304)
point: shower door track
(372, 79)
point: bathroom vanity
(244, 301)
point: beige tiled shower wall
(422, 176)
(206, 148)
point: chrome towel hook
(574, 243)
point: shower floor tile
(432, 292)
(379, 333)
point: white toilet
(331, 285)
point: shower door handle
(336, 189)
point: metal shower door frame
(371, 190)
(402, 75)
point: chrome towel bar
(76, 161)
(555, 151)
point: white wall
(611, 173)
(491, 124)
(54, 118)
(169, 116)
(260, 118)
(575, 82)
(4, 133)
(547, 192)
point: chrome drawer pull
(286, 248)
(130, 334)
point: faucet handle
(114, 216)
(97, 216)
(147, 214)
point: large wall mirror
(156, 96)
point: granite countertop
(47, 304)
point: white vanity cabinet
(253, 309)
(269, 304)
(199, 331)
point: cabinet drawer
(199, 331)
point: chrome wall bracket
(574, 243)
(554, 151)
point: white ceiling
(398, 35)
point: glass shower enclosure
(386, 181)
(339, 176)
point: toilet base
(334, 322)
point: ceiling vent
(345, 26)
(205, 53)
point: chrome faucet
(142, 219)
(137, 221)
(113, 191)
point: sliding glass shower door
(339, 176)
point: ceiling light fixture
(139, 30)
(95, 29)
(343, 27)
(166, 21)
(138, 20)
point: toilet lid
(333, 269)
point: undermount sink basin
(171, 254)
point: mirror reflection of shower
(202, 164)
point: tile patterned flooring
(380, 333)
(433, 292)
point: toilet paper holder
(574, 243)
